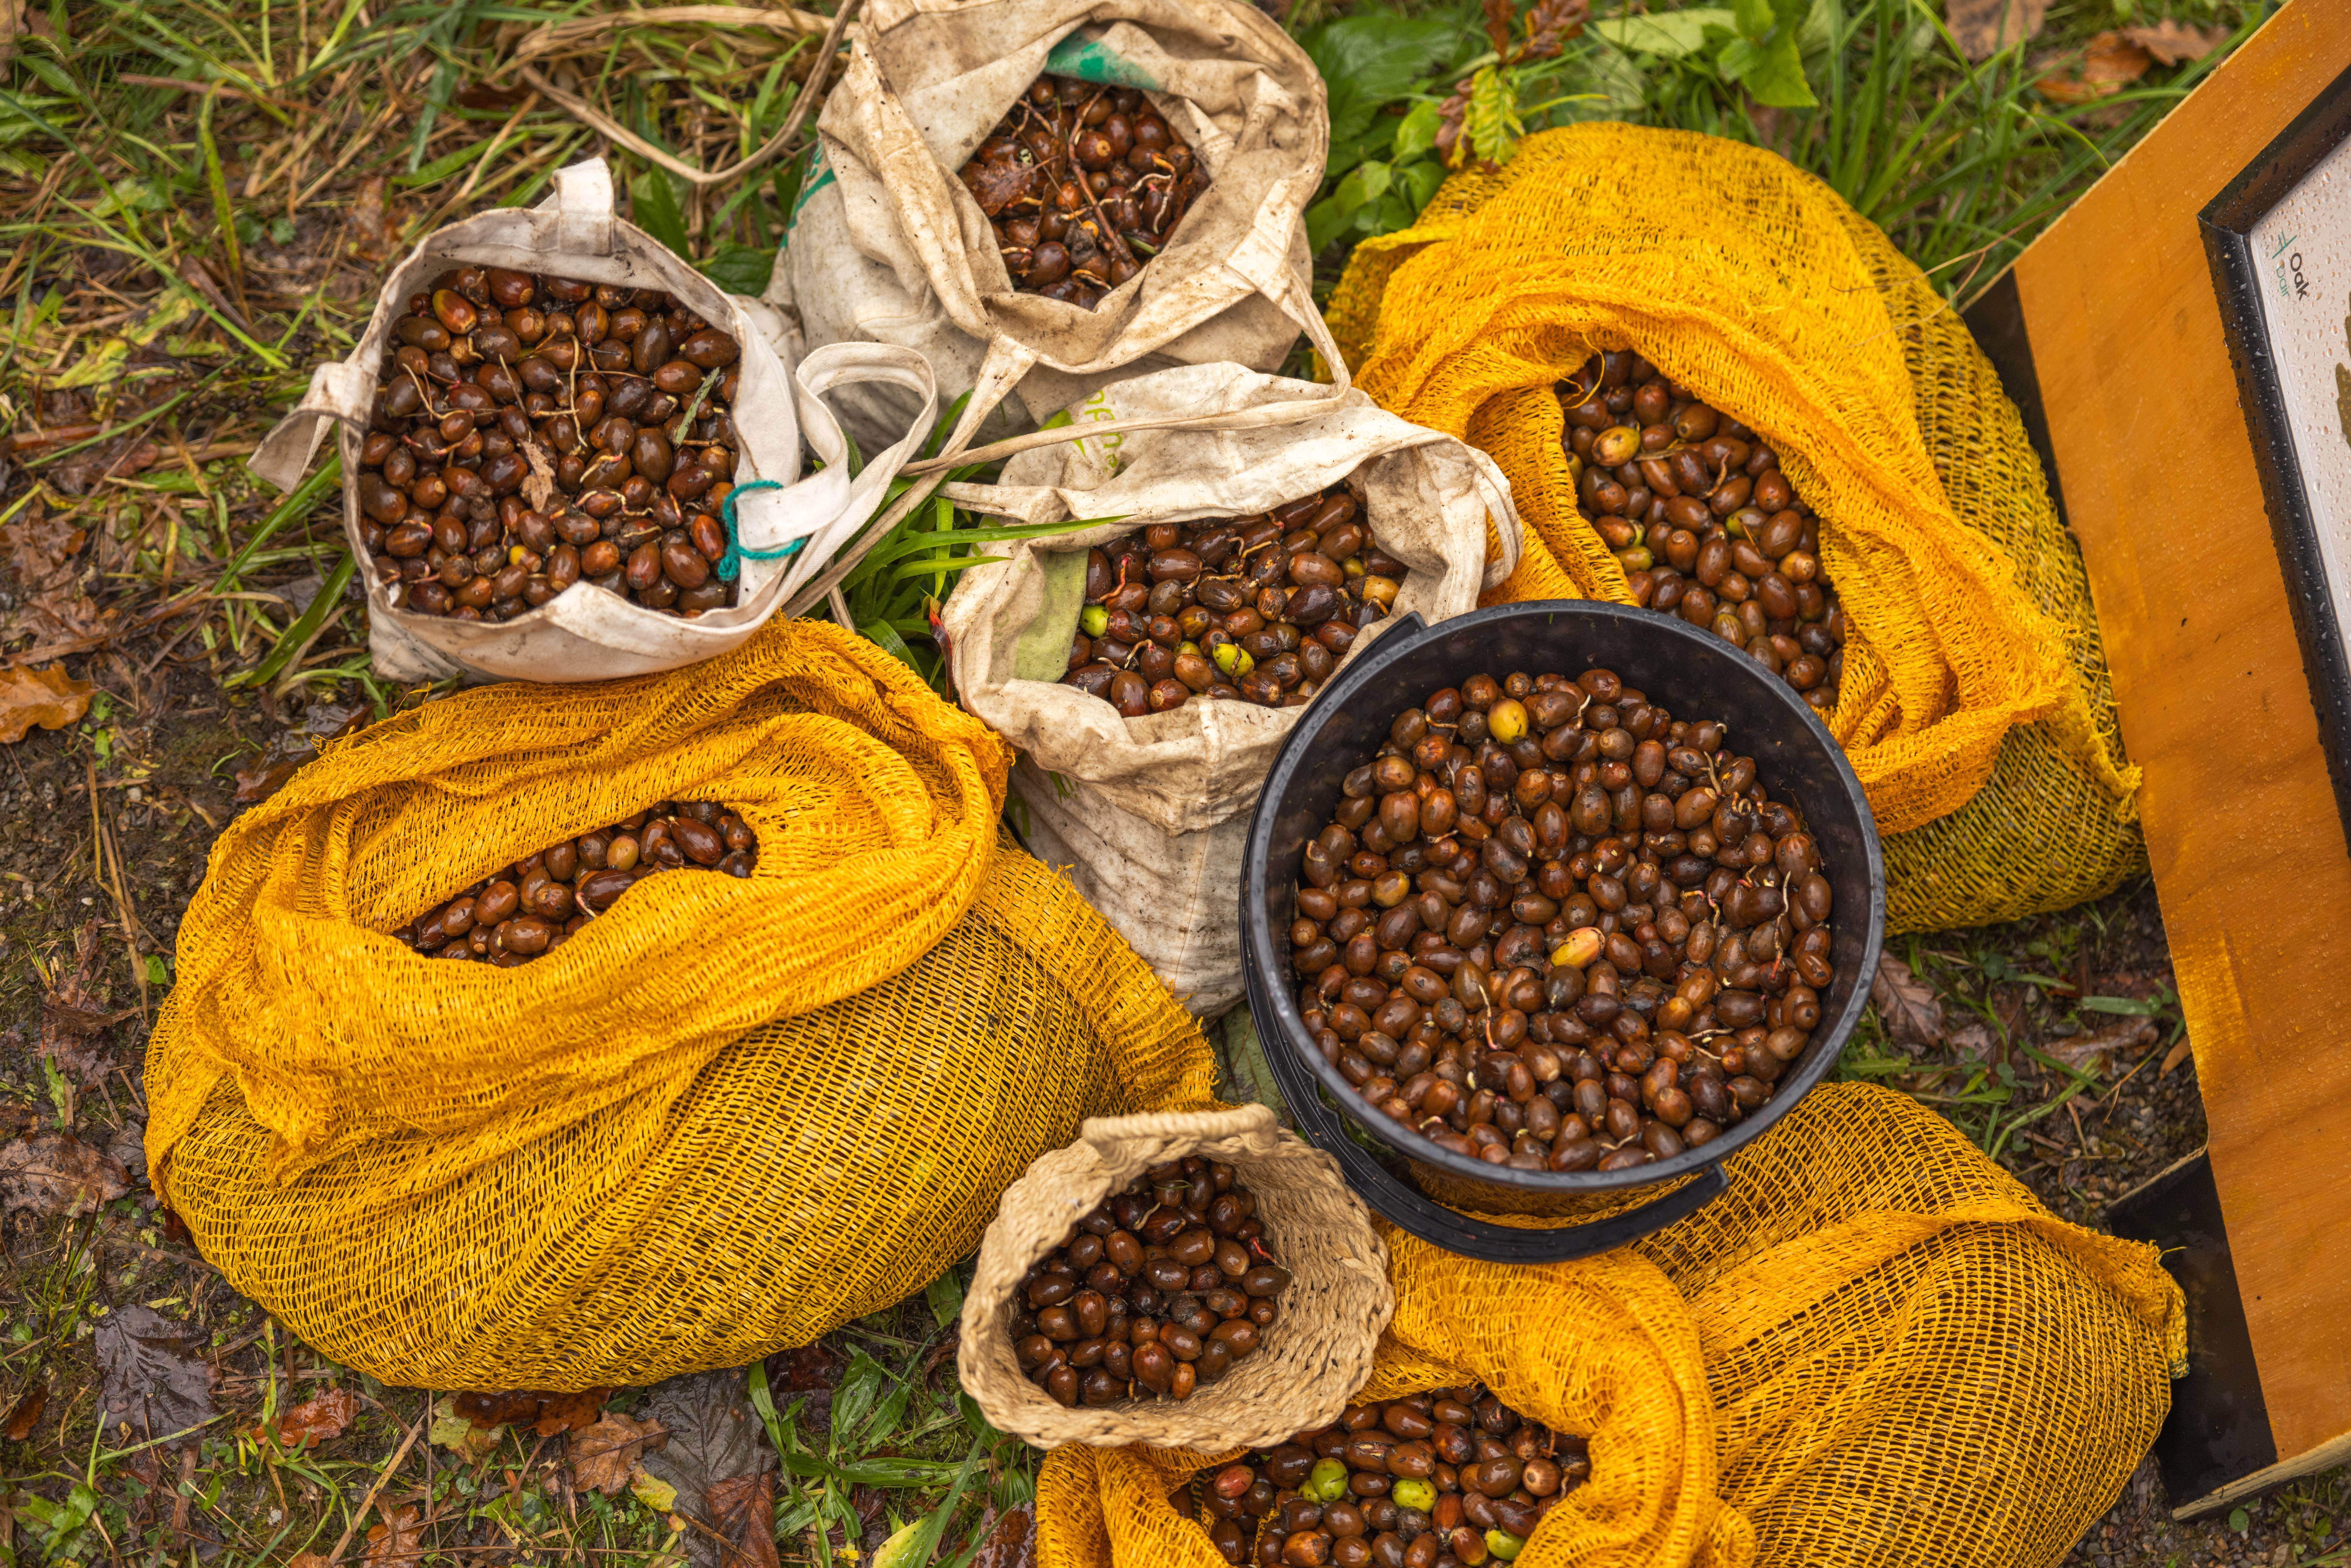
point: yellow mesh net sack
(1876, 1348)
(725, 1117)
(1976, 705)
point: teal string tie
(731, 563)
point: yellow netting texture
(755, 1109)
(1976, 705)
(1905, 1359)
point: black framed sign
(2279, 240)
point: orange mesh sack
(1876, 1348)
(724, 1117)
(1975, 704)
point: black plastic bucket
(1694, 673)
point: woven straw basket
(1313, 1360)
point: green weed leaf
(945, 1295)
(1369, 61)
(654, 207)
(1367, 184)
(1670, 35)
(1416, 135)
(738, 268)
(1492, 124)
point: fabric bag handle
(810, 521)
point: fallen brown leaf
(50, 698)
(603, 1455)
(25, 1414)
(1913, 1013)
(809, 1371)
(569, 1412)
(480, 95)
(1012, 1544)
(743, 1513)
(57, 1173)
(316, 1420)
(2111, 63)
(538, 486)
(2094, 1052)
(153, 1378)
(374, 226)
(12, 24)
(996, 186)
(307, 1559)
(39, 553)
(1973, 1040)
(74, 1014)
(1983, 27)
(398, 1542)
(498, 1409)
(2175, 43)
(2174, 1057)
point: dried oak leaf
(153, 1378)
(318, 1419)
(1973, 1040)
(50, 698)
(1012, 1544)
(603, 1455)
(482, 95)
(1913, 1013)
(538, 486)
(808, 1373)
(2175, 43)
(1550, 24)
(487, 1411)
(57, 1173)
(398, 1542)
(716, 1445)
(2094, 1052)
(25, 1414)
(996, 185)
(1982, 28)
(2111, 63)
(743, 1516)
(74, 1014)
(569, 1412)
(41, 589)
(374, 225)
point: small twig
(586, 112)
(110, 859)
(1078, 172)
(384, 1475)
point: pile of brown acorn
(1554, 927)
(1163, 1288)
(1705, 525)
(530, 433)
(1083, 183)
(1450, 1479)
(536, 904)
(1260, 607)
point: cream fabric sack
(1146, 816)
(585, 632)
(889, 247)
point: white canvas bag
(587, 632)
(1146, 816)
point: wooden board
(2155, 465)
